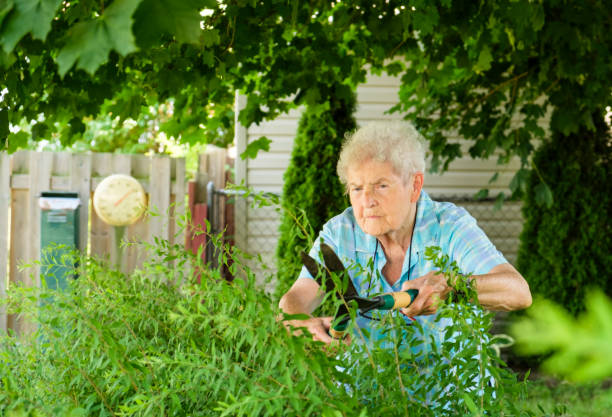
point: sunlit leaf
(17, 140)
(181, 19)
(260, 144)
(484, 60)
(29, 16)
(89, 43)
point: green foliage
(88, 43)
(72, 59)
(310, 181)
(156, 18)
(543, 62)
(580, 348)
(28, 16)
(520, 58)
(155, 343)
(110, 133)
(567, 247)
(151, 344)
(260, 144)
(547, 396)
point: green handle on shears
(389, 301)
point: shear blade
(334, 264)
(319, 273)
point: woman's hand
(317, 326)
(302, 298)
(432, 289)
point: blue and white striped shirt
(440, 224)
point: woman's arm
(303, 298)
(501, 289)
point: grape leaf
(6, 60)
(17, 141)
(40, 131)
(263, 143)
(76, 126)
(33, 16)
(89, 43)
(543, 195)
(494, 177)
(482, 193)
(484, 60)
(518, 184)
(5, 7)
(499, 201)
(4, 126)
(425, 19)
(182, 19)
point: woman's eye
(356, 189)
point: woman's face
(382, 203)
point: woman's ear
(417, 186)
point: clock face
(119, 200)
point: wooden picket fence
(25, 174)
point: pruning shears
(323, 276)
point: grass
(548, 396)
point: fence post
(5, 199)
(80, 181)
(210, 176)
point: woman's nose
(368, 196)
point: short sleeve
(467, 244)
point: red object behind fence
(195, 238)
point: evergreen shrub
(567, 247)
(155, 343)
(310, 181)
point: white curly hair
(398, 143)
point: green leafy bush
(579, 348)
(567, 246)
(156, 343)
(310, 181)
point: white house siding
(259, 227)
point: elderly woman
(390, 223)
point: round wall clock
(119, 200)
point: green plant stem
(399, 373)
(98, 391)
(126, 324)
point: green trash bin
(59, 235)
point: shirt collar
(425, 233)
